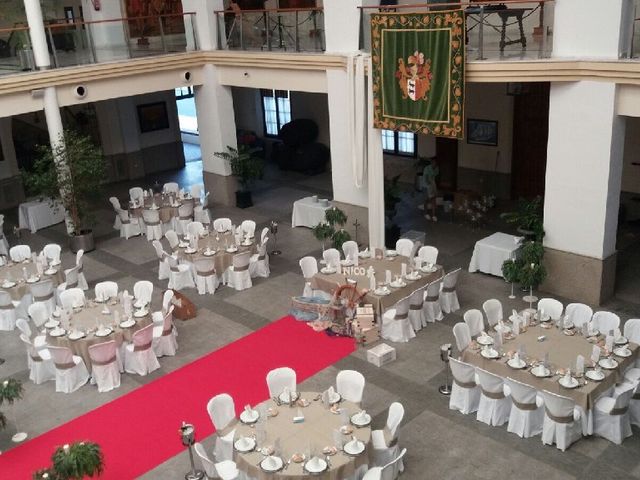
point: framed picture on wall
(482, 132)
(153, 116)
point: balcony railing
(506, 30)
(81, 43)
(279, 29)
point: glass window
(399, 143)
(276, 108)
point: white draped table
(308, 212)
(38, 214)
(490, 253)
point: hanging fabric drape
(357, 113)
(375, 174)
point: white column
(375, 175)
(205, 20)
(342, 25)
(36, 32)
(109, 40)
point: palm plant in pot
(247, 166)
(527, 218)
(70, 174)
(73, 462)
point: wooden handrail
(14, 29)
(457, 4)
(125, 19)
(265, 10)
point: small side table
(505, 15)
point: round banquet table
(13, 271)
(315, 433)
(218, 242)
(87, 320)
(166, 206)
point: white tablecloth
(37, 214)
(307, 213)
(490, 253)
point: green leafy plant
(527, 269)
(45, 474)
(245, 164)
(73, 172)
(527, 218)
(339, 237)
(10, 391)
(510, 271)
(335, 217)
(323, 232)
(532, 275)
(76, 461)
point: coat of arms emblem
(414, 77)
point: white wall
(251, 77)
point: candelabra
(274, 231)
(187, 435)
(445, 353)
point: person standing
(429, 175)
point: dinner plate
(253, 417)
(140, 313)
(364, 254)
(573, 383)
(245, 444)
(271, 464)
(540, 371)
(360, 420)
(209, 253)
(414, 276)
(8, 284)
(621, 340)
(569, 332)
(400, 284)
(328, 270)
(247, 243)
(503, 328)
(489, 353)
(104, 332)
(595, 375)
(51, 324)
(55, 263)
(128, 323)
(484, 340)
(51, 271)
(428, 269)
(354, 447)
(316, 465)
(57, 332)
(183, 244)
(76, 335)
(334, 398)
(392, 253)
(381, 291)
(623, 352)
(608, 363)
(232, 249)
(190, 250)
(286, 397)
(520, 364)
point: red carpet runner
(139, 430)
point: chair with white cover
(634, 403)
(579, 314)
(527, 413)
(104, 366)
(71, 298)
(185, 217)
(195, 229)
(24, 327)
(404, 247)
(237, 275)
(605, 322)
(105, 290)
(164, 341)
(172, 238)
(611, 418)
(248, 228)
(493, 310)
(563, 421)
(71, 372)
(448, 294)
(462, 335)
(201, 212)
(385, 442)
(428, 254)
(259, 262)
(136, 194)
(224, 470)
(350, 249)
(139, 357)
(222, 412)
(129, 226)
(167, 300)
(44, 292)
(551, 307)
(331, 256)
(264, 235)
(350, 385)
(222, 225)
(280, 378)
(416, 309)
(41, 368)
(52, 253)
(171, 187)
(465, 393)
(196, 190)
(38, 313)
(396, 326)
(163, 263)
(475, 321)
(206, 276)
(632, 330)
(153, 224)
(82, 280)
(309, 267)
(142, 292)
(432, 308)
(4, 244)
(116, 206)
(71, 281)
(20, 253)
(380, 473)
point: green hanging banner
(418, 72)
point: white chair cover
(448, 294)
(579, 314)
(196, 190)
(154, 225)
(180, 275)
(551, 307)
(634, 404)
(259, 263)
(105, 290)
(605, 322)
(72, 297)
(475, 321)
(428, 254)
(280, 378)
(167, 298)
(611, 416)
(41, 368)
(222, 412)
(350, 249)
(237, 275)
(386, 472)
(384, 452)
(38, 313)
(527, 413)
(71, 372)
(7, 312)
(462, 335)
(416, 309)
(104, 366)
(116, 206)
(396, 326)
(332, 257)
(404, 247)
(632, 330)
(142, 292)
(350, 385)
(563, 421)
(432, 308)
(44, 292)
(222, 225)
(164, 336)
(263, 235)
(495, 406)
(248, 228)
(52, 252)
(201, 212)
(493, 309)
(309, 267)
(129, 227)
(136, 194)
(195, 229)
(185, 217)
(171, 187)
(139, 357)
(71, 281)
(82, 281)
(206, 277)
(20, 253)
(225, 470)
(163, 264)
(465, 393)
(172, 238)
(24, 327)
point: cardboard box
(366, 309)
(381, 354)
(369, 336)
(360, 324)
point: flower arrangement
(10, 391)
(73, 462)
(332, 228)
(476, 210)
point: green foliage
(334, 216)
(10, 391)
(245, 164)
(45, 474)
(532, 274)
(323, 231)
(3, 421)
(528, 217)
(392, 193)
(339, 237)
(510, 271)
(527, 269)
(73, 171)
(77, 461)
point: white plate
(428, 269)
(57, 332)
(361, 420)
(621, 340)
(573, 383)
(346, 263)
(392, 253)
(540, 371)
(318, 465)
(286, 397)
(594, 375)
(489, 353)
(128, 323)
(381, 292)
(401, 284)
(327, 270)
(55, 263)
(76, 335)
(503, 329)
(103, 333)
(245, 444)
(608, 363)
(33, 279)
(414, 276)
(56, 313)
(232, 249)
(183, 244)
(517, 365)
(51, 271)
(271, 465)
(246, 418)
(190, 250)
(354, 447)
(484, 340)
(335, 398)
(623, 352)
(247, 243)
(209, 253)
(140, 313)
(8, 284)
(364, 254)
(51, 324)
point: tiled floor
(441, 443)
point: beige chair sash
(103, 363)
(65, 366)
(492, 395)
(415, 307)
(7, 307)
(401, 316)
(241, 269)
(567, 419)
(125, 221)
(209, 273)
(167, 331)
(448, 289)
(71, 285)
(226, 430)
(525, 406)
(36, 358)
(261, 257)
(465, 384)
(43, 298)
(619, 411)
(175, 269)
(152, 224)
(187, 217)
(431, 298)
(141, 348)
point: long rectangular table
(38, 214)
(308, 212)
(490, 253)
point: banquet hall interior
(259, 272)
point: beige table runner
(88, 319)
(14, 272)
(563, 351)
(328, 283)
(166, 210)
(218, 242)
(316, 432)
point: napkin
(516, 358)
(595, 354)
(516, 326)
(387, 276)
(580, 365)
(361, 414)
(567, 377)
(497, 340)
(248, 410)
(372, 282)
(403, 269)
(308, 291)
(314, 463)
(608, 343)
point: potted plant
(332, 228)
(73, 462)
(247, 167)
(10, 391)
(323, 232)
(392, 196)
(339, 237)
(510, 270)
(71, 172)
(527, 218)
